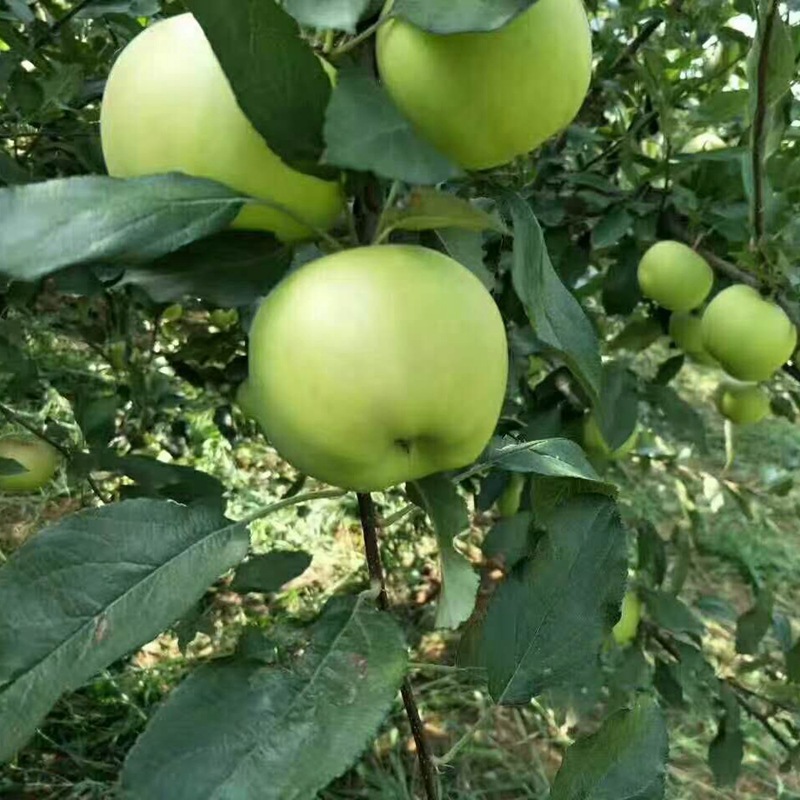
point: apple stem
(369, 524)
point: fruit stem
(357, 40)
(369, 524)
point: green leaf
(47, 226)
(547, 621)
(669, 612)
(621, 290)
(458, 16)
(365, 131)
(278, 81)
(548, 458)
(637, 335)
(753, 625)
(427, 209)
(793, 663)
(617, 413)
(268, 572)
(93, 587)
(10, 467)
(626, 758)
(611, 228)
(228, 269)
(342, 15)
(557, 317)
(245, 729)
(726, 751)
(510, 540)
(447, 511)
(466, 247)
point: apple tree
(435, 239)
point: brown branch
(369, 524)
(760, 125)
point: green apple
(484, 98)
(168, 107)
(39, 459)
(509, 501)
(379, 365)
(675, 276)
(247, 400)
(744, 404)
(624, 632)
(703, 143)
(594, 442)
(686, 330)
(750, 337)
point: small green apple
(625, 630)
(379, 365)
(247, 399)
(485, 98)
(37, 457)
(675, 276)
(744, 404)
(509, 501)
(686, 330)
(594, 442)
(168, 107)
(750, 337)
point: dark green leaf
(753, 625)
(10, 467)
(278, 81)
(547, 621)
(621, 290)
(244, 729)
(556, 316)
(726, 751)
(268, 572)
(617, 413)
(458, 16)
(793, 663)
(669, 612)
(669, 369)
(510, 540)
(637, 335)
(466, 247)
(228, 269)
(365, 131)
(683, 420)
(340, 15)
(46, 226)
(652, 552)
(611, 228)
(626, 758)
(438, 497)
(94, 587)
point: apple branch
(760, 124)
(369, 524)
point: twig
(60, 23)
(357, 40)
(17, 420)
(760, 126)
(369, 524)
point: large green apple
(744, 404)
(485, 98)
(675, 276)
(594, 442)
(39, 459)
(379, 365)
(625, 630)
(168, 107)
(750, 337)
(686, 330)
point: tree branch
(760, 125)
(369, 524)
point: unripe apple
(750, 337)
(36, 456)
(246, 399)
(594, 442)
(744, 404)
(379, 365)
(675, 276)
(703, 143)
(168, 107)
(509, 501)
(484, 98)
(686, 330)
(625, 630)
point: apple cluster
(378, 364)
(748, 336)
